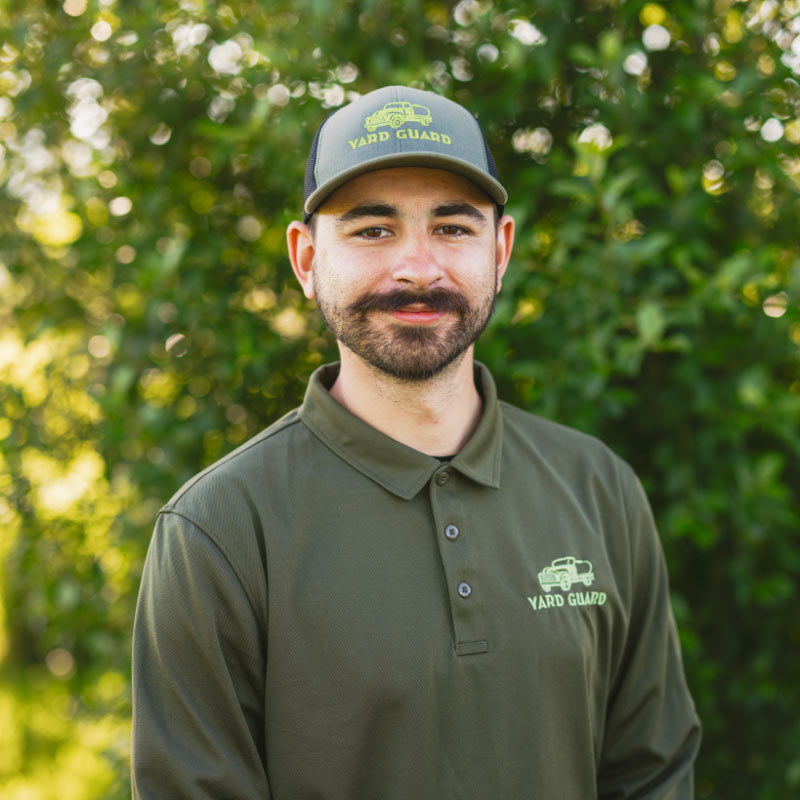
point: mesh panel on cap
(491, 164)
(310, 181)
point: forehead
(405, 188)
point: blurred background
(151, 155)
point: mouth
(413, 308)
(416, 314)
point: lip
(422, 316)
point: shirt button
(464, 589)
(451, 532)
(442, 477)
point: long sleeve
(652, 733)
(198, 673)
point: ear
(300, 244)
(505, 243)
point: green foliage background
(152, 154)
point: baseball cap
(398, 126)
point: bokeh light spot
(527, 33)
(652, 14)
(200, 167)
(57, 229)
(74, 8)
(177, 345)
(107, 179)
(537, 141)
(488, 53)
(226, 58)
(60, 662)
(185, 407)
(120, 206)
(714, 177)
(792, 131)
(346, 73)
(775, 305)
(249, 228)
(278, 95)
(289, 323)
(597, 135)
(99, 346)
(160, 133)
(635, 63)
(656, 37)
(466, 12)
(125, 254)
(772, 130)
(167, 312)
(101, 31)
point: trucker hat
(398, 126)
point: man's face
(405, 268)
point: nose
(417, 263)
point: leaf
(583, 55)
(651, 322)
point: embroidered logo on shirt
(564, 573)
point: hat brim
(483, 180)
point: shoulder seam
(218, 544)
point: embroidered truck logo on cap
(397, 113)
(564, 572)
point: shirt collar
(398, 468)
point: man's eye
(452, 230)
(373, 233)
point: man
(406, 588)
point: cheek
(481, 278)
(334, 286)
(472, 265)
(348, 274)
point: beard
(403, 351)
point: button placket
(449, 494)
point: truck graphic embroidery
(396, 114)
(564, 572)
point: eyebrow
(459, 209)
(369, 210)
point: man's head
(406, 246)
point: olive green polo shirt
(328, 613)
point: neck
(435, 416)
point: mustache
(442, 300)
